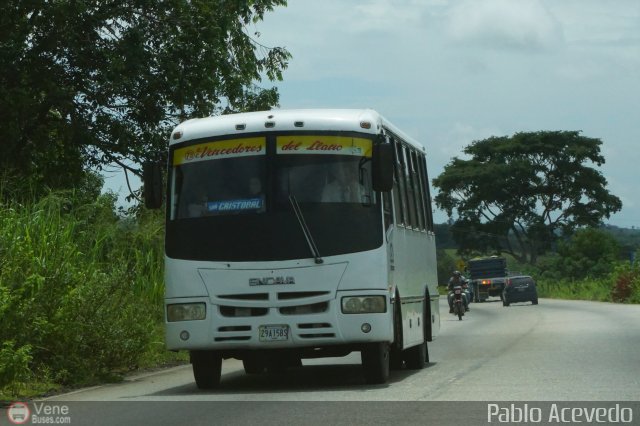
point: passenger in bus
(255, 186)
(343, 186)
(255, 191)
(198, 202)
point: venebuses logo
(18, 413)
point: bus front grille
(235, 328)
(232, 338)
(251, 296)
(315, 330)
(234, 311)
(316, 335)
(314, 308)
(289, 295)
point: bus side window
(424, 178)
(398, 187)
(415, 184)
(411, 205)
(387, 210)
(421, 192)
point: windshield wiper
(305, 229)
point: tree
(88, 83)
(446, 266)
(590, 252)
(444, 237)
(518, 194)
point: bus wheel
(426, 353)
(207, 367)
(253, 365)
(295, 362)
(277, 365)
(395, 355)
(416, 356)
(375, 361)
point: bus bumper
(278, 327)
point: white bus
(294, 234)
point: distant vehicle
(487, 277)
(519, 289)
(458, 305)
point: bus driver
(343, 186)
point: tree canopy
(517, 194)
(88, 83)
(590, 252)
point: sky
(449, 72)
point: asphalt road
(554, 351)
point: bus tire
(295, 362)
(253, 365)
(428, 325)
(395, 356)
(416, 356)
(375, 362)
(426, 353)
(207, 368)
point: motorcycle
(468, 291)
(458, 303)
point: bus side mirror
(382, 167)
(152, 184)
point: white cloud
(519, 24)
(384, 15)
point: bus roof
(278, 120)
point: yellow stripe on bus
(336, 145)
(219, 149)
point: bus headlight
(186, 312)
(363, 304)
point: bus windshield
(229, 199)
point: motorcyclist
(457, 280)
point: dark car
(519, 289)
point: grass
(588, 289)
(81, 294)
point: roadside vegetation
(80, 293)
(80, 283)
(591, 265)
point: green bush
(587, 289)
(626, 284)
(620, 286)
(80, 289)
(590, 253)
(14, 364)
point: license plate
(273, 333)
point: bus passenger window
(398, 188)
(408, 187)
(417, 192)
